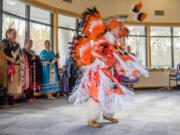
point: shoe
(113, 120)
(58, 94)
(50, 96)
(5, 107)
(30, 100)
(15, 105)
(94, 124)
(34, 99)
(65, 95)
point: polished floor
(155, 113)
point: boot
(50, 96)
(30, 100)
(65, 95)
(5, 107)
(94, 124)
(58, 94)
(15, 105)
(34, 100)
(12, 102)
(113, 120)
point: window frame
(26, 19)
(145, 36)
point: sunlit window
(137, 41)
(176, 41)
(39, 27)
(39, 33)
(66, 32)
(17, 24)
(65, 36)
(40, 15)
(66, 21)
(160, 47)
(15, 7)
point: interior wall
(115, 7)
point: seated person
(178, 72)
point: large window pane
(40, 15)
(18, 24)
(160, 52)
(160, 31)
(138, 47)
(137, 41)
(39, 33)
(66, 21)
(15, 7)
(176, 51)
(136, 30)
(65, 36)
(176, 31)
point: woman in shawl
(16, 67)
(35, 71)
(50, 74)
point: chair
(173, 76)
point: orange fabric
(134, 73)
(108, 73)
(123, 57)
(89, 19)
(97, 31)
(143, 16)
(139, 6)
(79, 44)
(95, 82)
(113, 24)
(87, 57)
(124, 32)
(104, 52)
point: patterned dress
(50, 74)
(15, 70)
(64, 81)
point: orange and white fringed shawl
(98, 82)
(130, 64)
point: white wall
(115, 7)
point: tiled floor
(155, 113)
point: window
(176, 41)
(65, 36)
(18, 24)
(66, 32)
(160, 47)
(14, 16)
(40, 15)
(40, 28)
(39, 33)
(137, 41)
(66, 21)
(15, 7)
